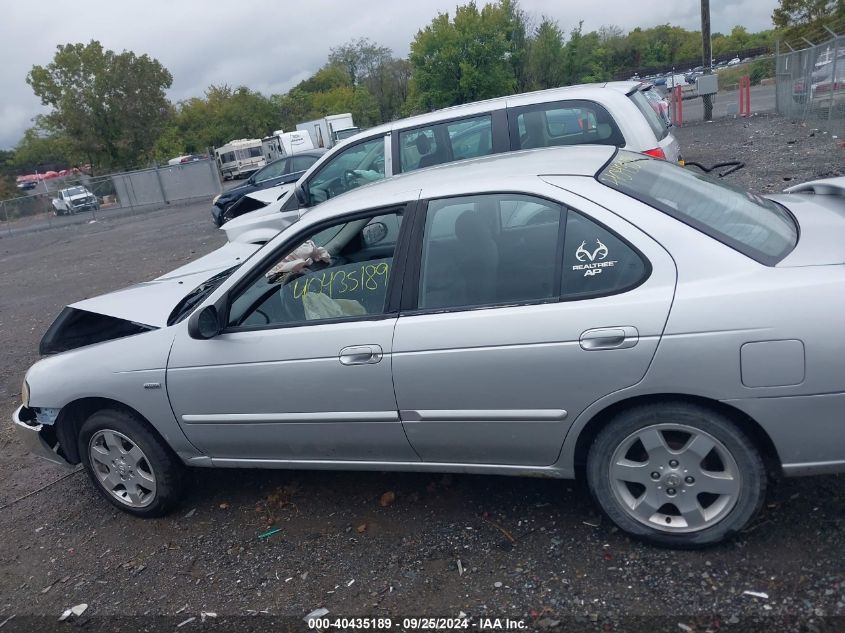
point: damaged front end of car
(36, 428)
(67, 384)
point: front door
(526, 311)
(303, 371)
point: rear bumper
(31, 434)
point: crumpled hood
(271, 194)
(151, 302)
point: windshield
(74, 191)
(754, 226)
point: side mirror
(374, 233)
(204, 324)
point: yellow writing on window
(339, 282)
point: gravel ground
(532, 550)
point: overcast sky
(270, 45)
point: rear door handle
(620, 337)
(360, 355)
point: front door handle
(360, 355)
(620, 337)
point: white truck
(74, 200)
(326, 132)
(280, 144)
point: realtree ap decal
(595, 259)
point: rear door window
(445, 142)
(558, 123)
(471, 258)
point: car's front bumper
(31, 434)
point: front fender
(130, 371)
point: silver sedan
(571, 312)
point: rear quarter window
(754, 226)
(558, 123)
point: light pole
(707, 55)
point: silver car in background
(573, 312)
(617, 114)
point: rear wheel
(129, 464)
(676, 475)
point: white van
(614, 113)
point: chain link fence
(810, 83)
(80, 198)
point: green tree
(518, 35)
(40, 150)
(465, 59)
(545, 67)
(223, 115)
(372, 67)
(797, 18)
(111, 106)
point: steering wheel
(350, 179)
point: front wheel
(676, 475)
(129, 464)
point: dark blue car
(279, 172)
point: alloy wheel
(674, 478)
(122, 468)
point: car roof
(487, 173)
(582, 91)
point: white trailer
(239, 158)
(280, 144)
(326, 132)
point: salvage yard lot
(438, 545)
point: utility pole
(707, 55)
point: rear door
(519, 311)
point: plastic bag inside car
(306, 254)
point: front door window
(341, 271)
(354, 166)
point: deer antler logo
(582, 254)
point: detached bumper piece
(39, 439)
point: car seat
(427, 157)
(535, 130)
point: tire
(652, 473)
(145, 484)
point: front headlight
(216, 198)
(25, 393)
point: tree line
(110, 111)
